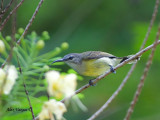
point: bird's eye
(70, 58)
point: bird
(93, 63)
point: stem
(10, 14)
(141, 84)
(20, 70)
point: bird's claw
(91, 83)
(112, 69)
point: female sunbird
(93, 63)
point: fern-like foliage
(33, 65)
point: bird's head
(70, 59)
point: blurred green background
(117, 27)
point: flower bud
(46, 67)
(40, 44)
(45, 35)
(8, 38)
(2, 46)
(20, 31)
(58, 50)
(17, 36)
(64, 45)
(33, 35)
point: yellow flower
(61, 85)
(8, 77)
(70, 83)
(52, 107)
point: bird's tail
(132, 61)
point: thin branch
(108, 72)
(25, 31)
(20, 70)
(151, 23)
(113, 95)
(1, 5)
(141, 84)
(2, 12)
(7, 7)
(14, 24)
(10, 14)
(13, 38)
(132, 68)
(30, 22)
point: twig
(10, 14)
(25, 31)
(20, 70)
(1, 5)
(151, 23)
(7, 7)
(113, 95)
(141, 84)
(13, 38)
(14, 25)
(108, 72)
(2, 12)
(30, 22)
(132, 68)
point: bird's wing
(95, 55)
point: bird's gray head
(73, 58)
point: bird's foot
(91, 83)
(112, 69)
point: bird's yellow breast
(94, 67)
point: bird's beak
(59, 60)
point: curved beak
(59, 60)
